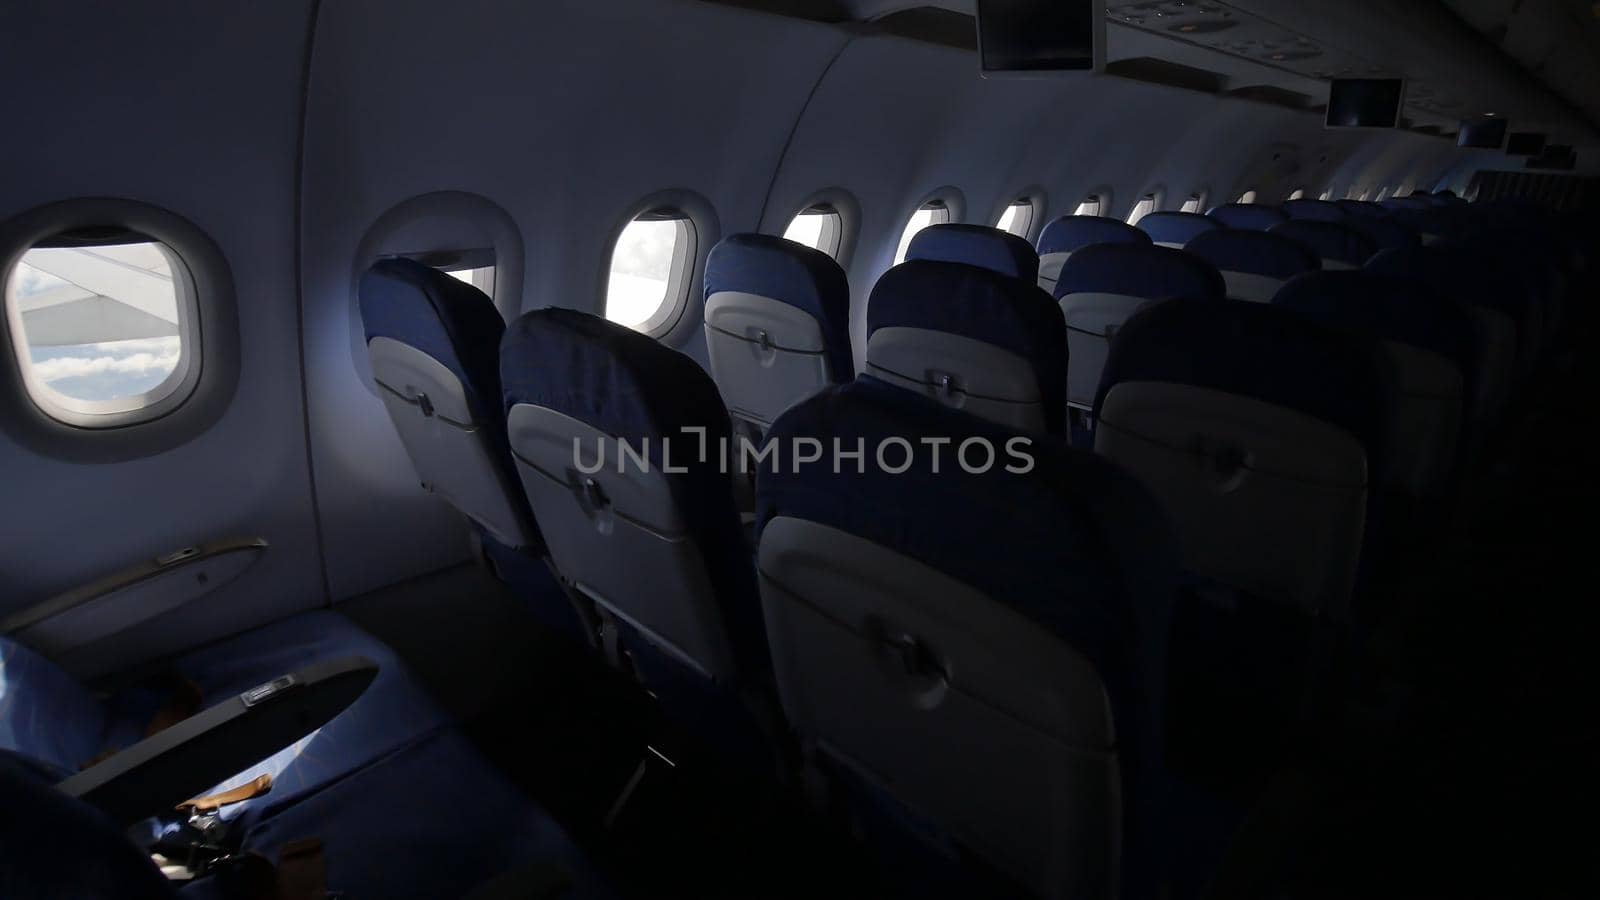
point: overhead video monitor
(1525, 143)
(1041, 37)
(1365, 102)
(1482, 134)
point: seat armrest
(161, 771)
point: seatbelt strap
(302, 872)
(211, 802)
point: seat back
(1255, 429)
(1175, 229)
(434, 343)
(1340, 246)
(1387, 232)
(1428, 342)
(1361, 209)
(45, 714)
(977, 245)
(972, 339)
(617, 441)
(1468, 281)
(1068, 234)
(985, 648)
(1100, 287)
(1254, 264)
(1314, 210)
(777, 320)
(1248, 216)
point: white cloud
(142, 363)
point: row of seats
(945, 641)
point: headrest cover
(1070, 233)
(1315, 210)
(782, 270)
(1248, 216)
(1259, 351)
(1075, 545)
(977, 245)
(1255, 252)
(444, 317)
(1154, 273)
(1390, 307)
(1329, 240)
(985, 306)
(1176, 227)
(630, 386)
(1388, 233)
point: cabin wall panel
(193, 107)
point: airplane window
(1193, 204)
(104, 328)
(1299, 194)
(1145, 206)
(1090, 206)
(481, 278)
(1326, 195)
(933, 213)
(650, 268)
(1248, 196)
(1383, 193)
(818, 227)
(1018, 218)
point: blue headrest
(630, 386)
(1389, 233)
(1260, 351)
(977, 245)
(1070, 233)
(1458, 274)
(1176, 227)
(782, 270)
(1361, 209)
(1255, 252)
(1315, 210)
(1386, 306)
(1248, 216)
(1075, 545)
(985, 306)
(451, 321)
(1154, 273)
(1329, 240)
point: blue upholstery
(1075, 545)
(782, 270)
(1069, 233)
(985, 306)
(1314, 210)
(1330, 240)
(1390, 307)
(1248, 216)
(1154, 273)
(54, 846)
(1361, 209)
(1176, 227)
(1255, 252)
(631, 387)
(1455, 273)
(442, 316)
(435, 819)
(1410, 201)
(1256, 350)
(45, 714)
(1389, 233)
(977, 245)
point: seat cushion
(433, 819)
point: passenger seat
(1062, 237)
(977, 245)
(1175, 229)
(1254, 264)
(777, 319)
(1340, 246)
(1248, 216)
